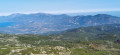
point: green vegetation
(98, 40)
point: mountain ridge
(40, 23)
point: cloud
(64, 11)
(81, 11)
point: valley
(59, 27)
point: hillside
(102, 32)
(92, 40)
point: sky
(58, 6)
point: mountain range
(41, 23)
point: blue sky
(58, 6)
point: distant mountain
(40, 23)
(101, 32)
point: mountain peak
(16, 14)
(102, 15)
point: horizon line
(63, 11)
